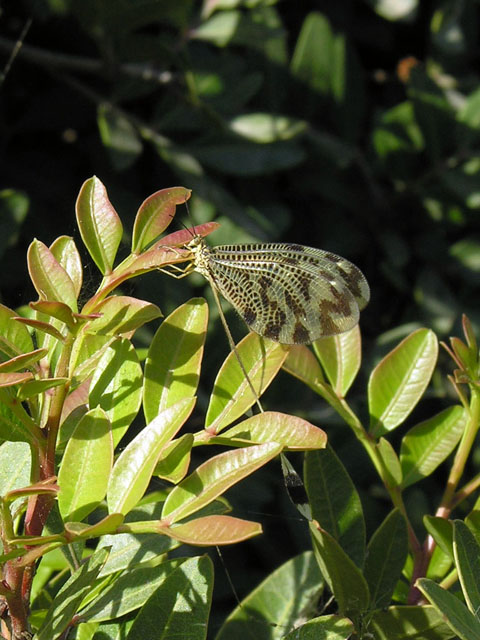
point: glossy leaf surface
(180, 607)
(70, 596)
(429, 443)
(214, 477)
(155, 214)
(86, 466)
(339, 512)
(49, 278)
(343, 577)
(130, 591)
(172, 367)
(386, 556)
(99, 224)
(454, 612)
(276, 604)
(340, 357)
(134, 467)
(116, 386)
(398, 382)
(273, 426)
(232, 395)
(214, 530)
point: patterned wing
(289, 293)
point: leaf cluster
(71, 384)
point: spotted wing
(287, 292)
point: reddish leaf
(155, 214)
(49, 278)
(99, 224)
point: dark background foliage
(337, 125)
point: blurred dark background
(351, 126)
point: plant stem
(462, 454)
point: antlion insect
(288, 293)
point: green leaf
(266, 127)
(134, 467)
(14, 336)
(232, 395)
(454, 612)
(276, 605)
(429, 443)
(15, 464)
(441, 531)
(99, 224)
(329, 627)
(335, 502)
(11, 427)
(313, 53)
(113, 630)
(272, 426)
(49, 278)
(302, 364)
(120, 137)
(340, 357)
(122, 314)
(386, 556)
(213, 530)
(214, 477)
(22, 361)
(403, 623)
(398, 382)
(344, 579)
(86, 466)
(180, 607)
(175, 459)
(467, 560)
(105, 525)
(129, 591)
(440, 564)
(174, 359)
(117, 386)
(34, 387)
(129, 550)
(70, 596)
(66, 252)
(155, 214)
(391, 463)
(87, 352)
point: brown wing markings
(301, 335)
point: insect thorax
(201, 255)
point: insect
(289, 293)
